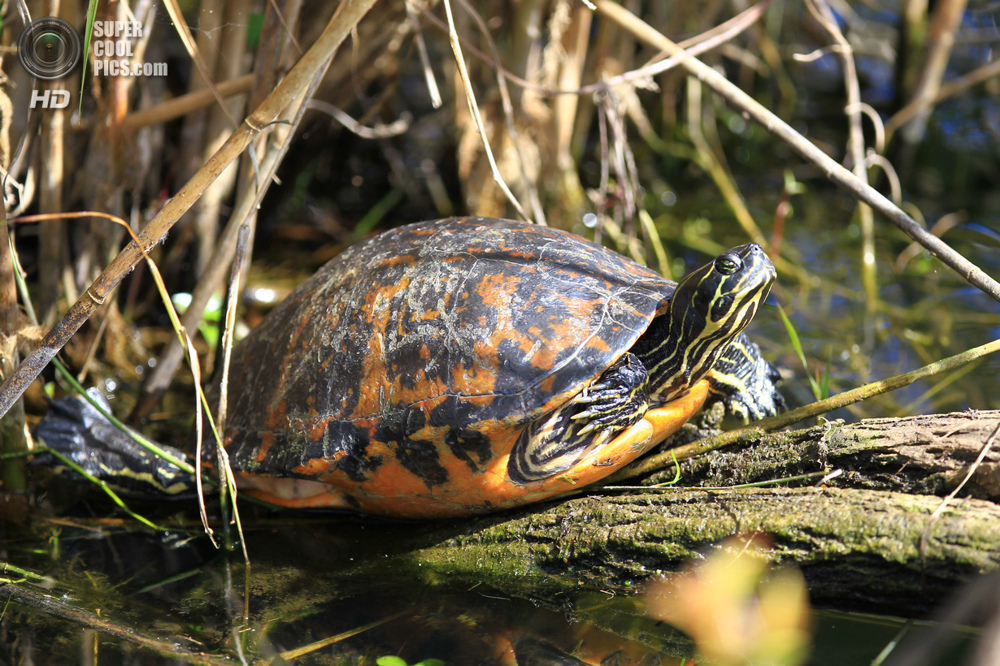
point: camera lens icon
(49, 48)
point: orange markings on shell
(477, 326)
(394, 491)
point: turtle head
(717, 301)
(710, 307)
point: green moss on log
(855, 547)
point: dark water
(316, 578)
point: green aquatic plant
(821, 387)
(393, 660)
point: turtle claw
(587, 397)
(616, 400)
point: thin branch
(379, 131)
(856, 149)
(694, 46)
(910, 111)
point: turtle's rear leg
(77, 430)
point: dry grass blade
(305, 71)
(227, 482)
(312, 647)
(425, 62)
(199, 431)
(232, 298)
(470, 97)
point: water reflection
(315, 579)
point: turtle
(469, 365)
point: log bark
(928, 454)
(872, 542)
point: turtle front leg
(745, 382)
(618, 399)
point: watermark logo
(50, 99)
(113, 49)
(49, 48)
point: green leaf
(797, 345)
(88, 35)
(390, 660)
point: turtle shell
(400, 375)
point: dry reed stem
(228, 51)
(805, 148)
(185, 104)
(50, 188)
(470, 97)
(307, 69)
(821, 11)
(184, 32)
(538, 213)
(944, 23)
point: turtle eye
(728, 263)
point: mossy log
(872, 546)
(928, 454)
